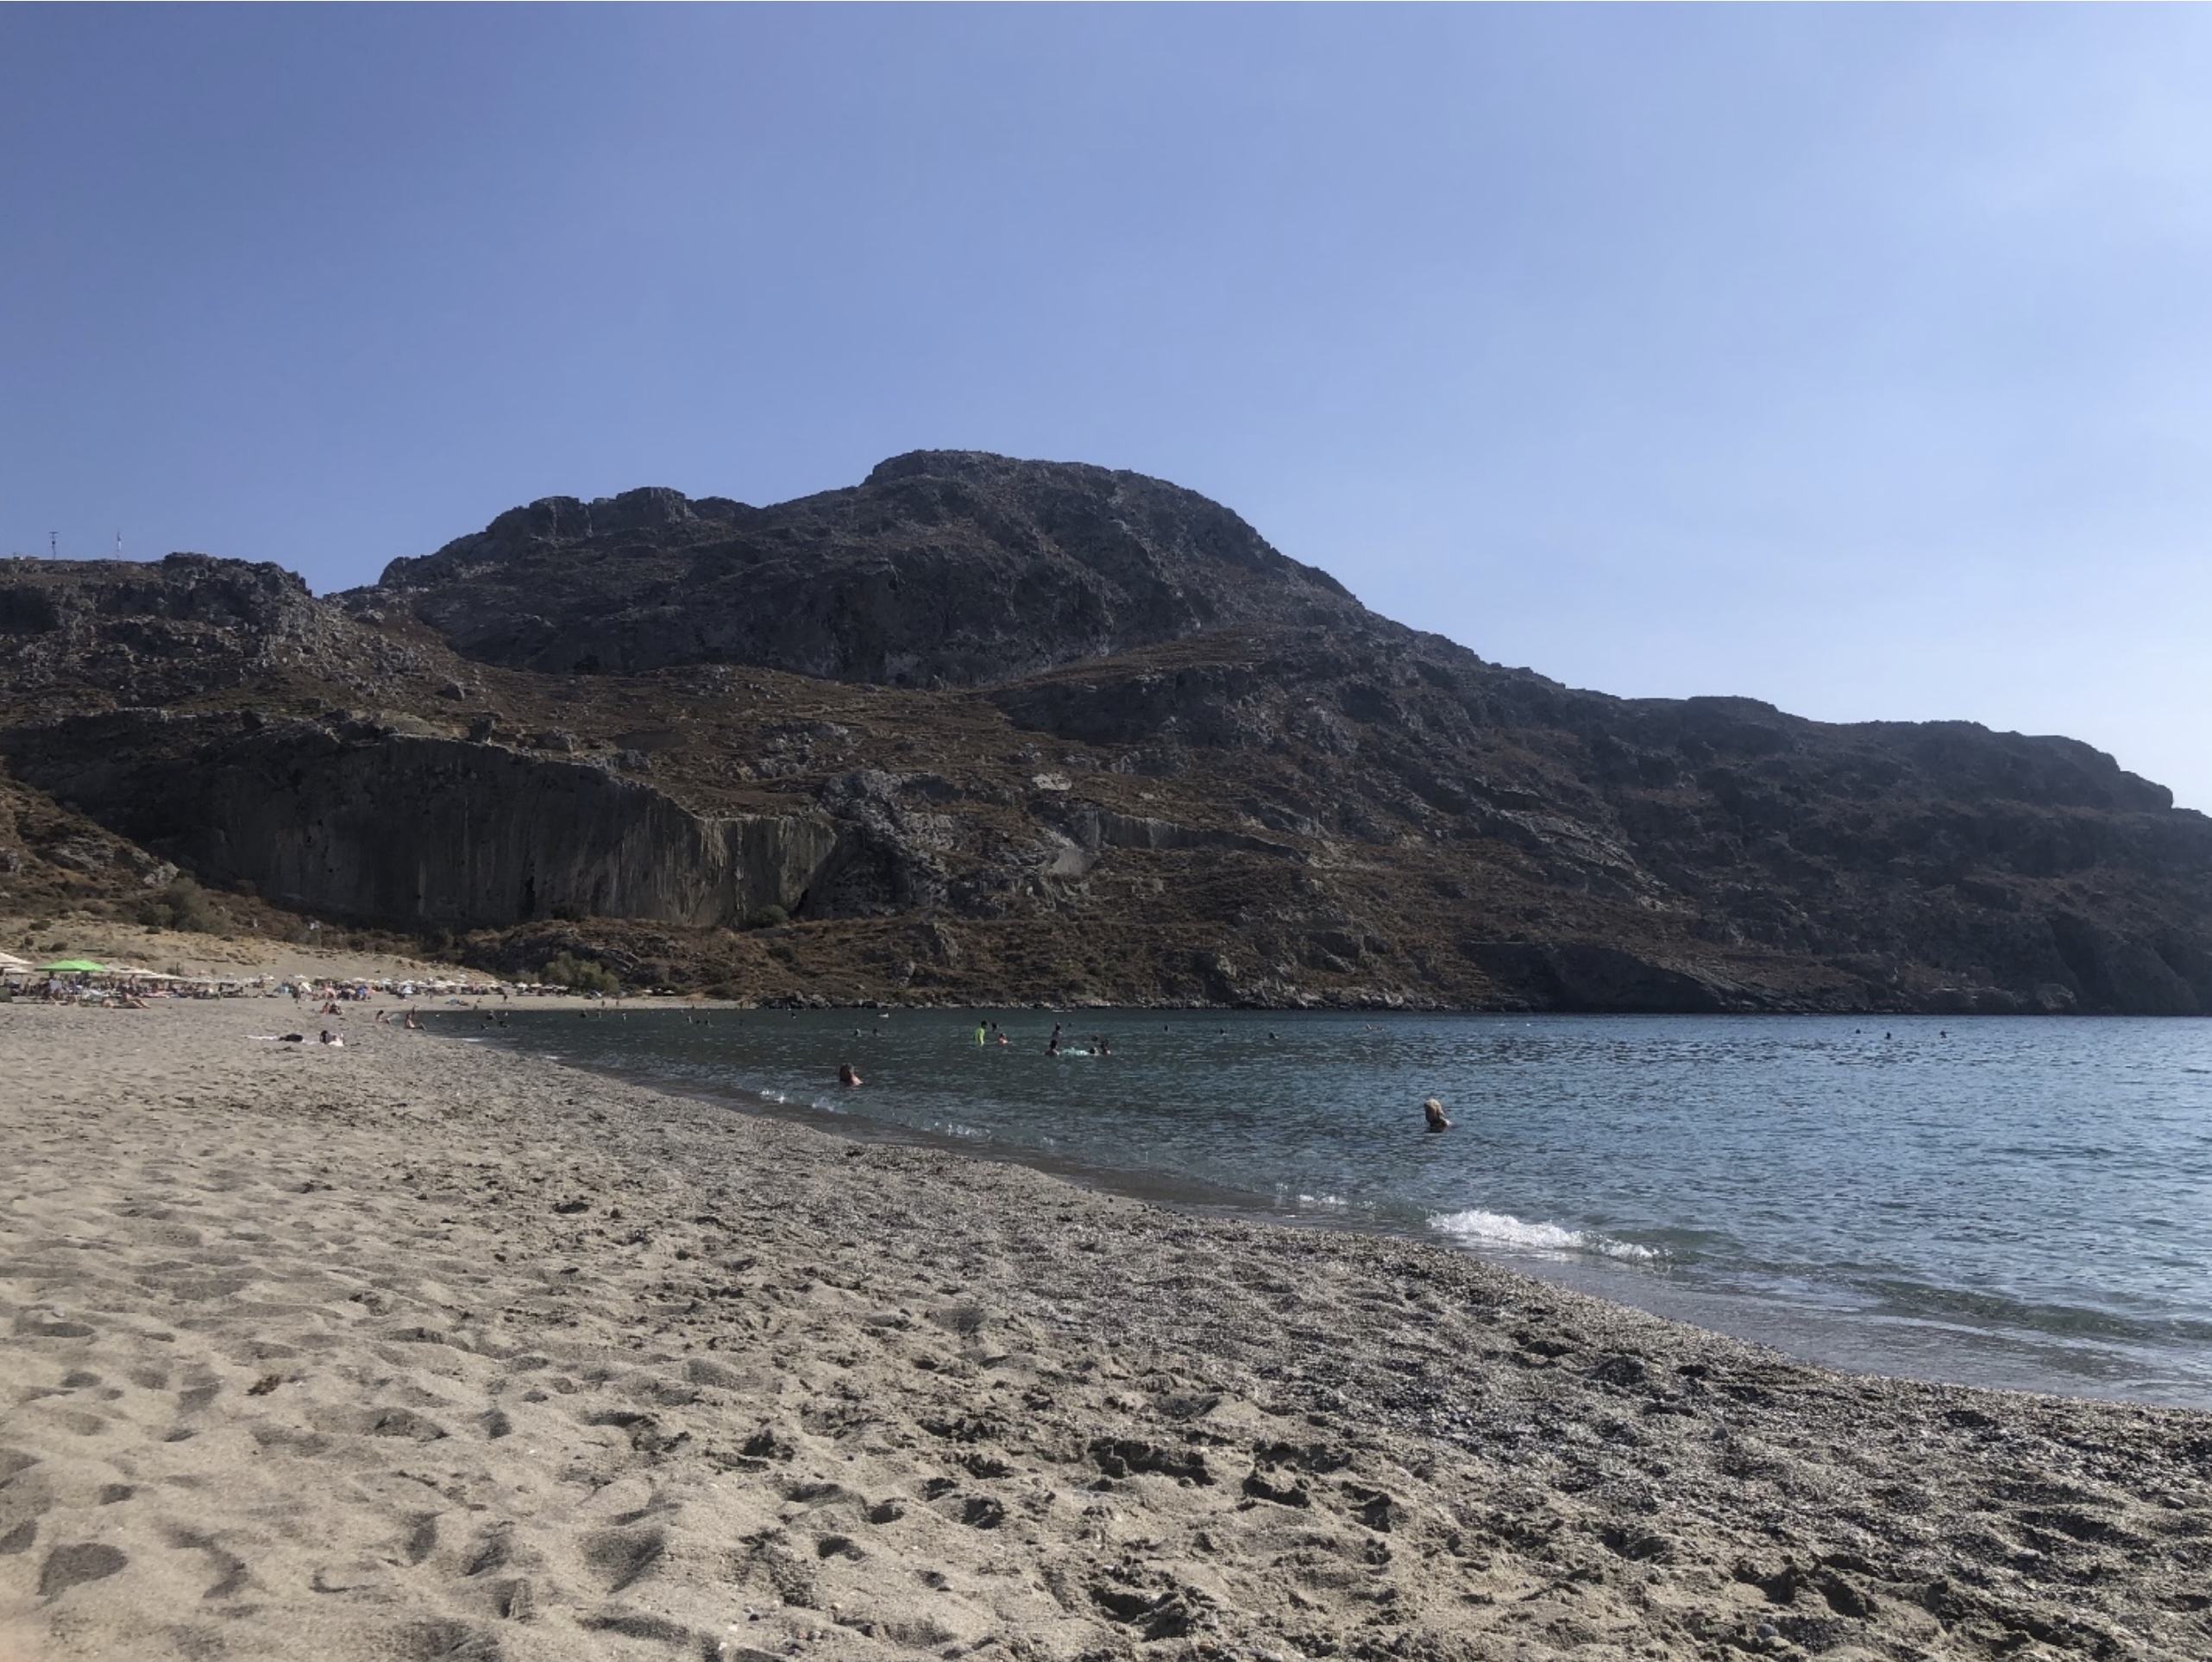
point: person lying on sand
(1433, 1111)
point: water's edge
(1856, 1342)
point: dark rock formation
(152, 631)
(364, 820)
(1581, 975)
(943, 566)
(1173, 765)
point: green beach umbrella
(75, 967)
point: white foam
(1502, 1229)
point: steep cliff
(364, 820)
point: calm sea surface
(2019, 1203)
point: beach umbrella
(73, 966)
(8, 960)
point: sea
(2012, 1202)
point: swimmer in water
(845, 1075)
(1433, 1111)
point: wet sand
(417, 1349)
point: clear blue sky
(1858, 359)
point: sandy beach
(415, 1349)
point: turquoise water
(2021, 1203)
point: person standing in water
(1433, 1111)
(982, 1031)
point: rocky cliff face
(150, 632)
(1167, 764)
(365, 820)
(943, 567)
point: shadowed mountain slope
(981, 729)
(942, 566)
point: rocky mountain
(979, 729)
(942, 567)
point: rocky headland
(980, 729)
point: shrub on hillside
(183, 905)
(579, 975)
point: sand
(110, 941)
(417, 1349)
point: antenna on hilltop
(53, 545)
(118, 544)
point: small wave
(1501, 1229)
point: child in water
(845, 1075)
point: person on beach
(845, 1075)
(1433, 1111)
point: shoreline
(1829, 1332)
(423, 1349)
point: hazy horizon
(1852, 362)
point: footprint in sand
(73, 1566)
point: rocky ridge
(980, 729)
(941, 567)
